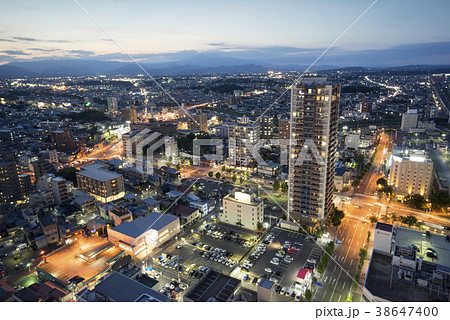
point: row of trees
(407, 220)
(277, 185)
(321, 266)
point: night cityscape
(150, 155)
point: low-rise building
(143, 235)
(242, 209)
(104, 185)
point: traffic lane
(338, 277)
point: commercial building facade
(411, 172)
(144, 234)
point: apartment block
(104, 185)
(242, 209)
(314, 121)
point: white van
(21, 246)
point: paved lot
(288, 271)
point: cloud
(16, 52)
(44, 50)
(82, 52)
(7, 40)
(217, 44)
(27, 39)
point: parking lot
(284, 270)
(214, 245)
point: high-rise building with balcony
(242, 139)
(314, 122)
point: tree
(373, 219)
(178, 167)
(69, 173)
(284, 187)
(368, 236)
(420, 225)
(308, 295)
(385, 218)
(362, 254)
(241, 180)
(410, 220)
(382, 182)
(416, 201)
(276, 185)
(223, 168)
(218, 175)
(440, 201)
(336, 217)
(234, 178)
(210, 174)
(260, 225)
(320, 267)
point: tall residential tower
(314, 124)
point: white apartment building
(242, 209)
(411, 172)
(242, 139)
(171, 147)
(409, 120)
(104, 185)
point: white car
(288, 259)
(298, 296)
(269, 270)
(275, 261)
(288, 293)
(179, 246)
(283, 291)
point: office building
(198, 122)
(10, 189)
(411, 172)
(409, 120)
(242, 209)
(129, 114)
(104, 185)
(242, 143)
(314, 121)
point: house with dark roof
(187, 214)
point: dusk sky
(49, 28)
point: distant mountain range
(77, 67)
(418, 56)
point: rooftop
(378, 282)
(96, 171)
(154, 220)
(119, 288)
(66, 264)
(405, 237)
(213, 285)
